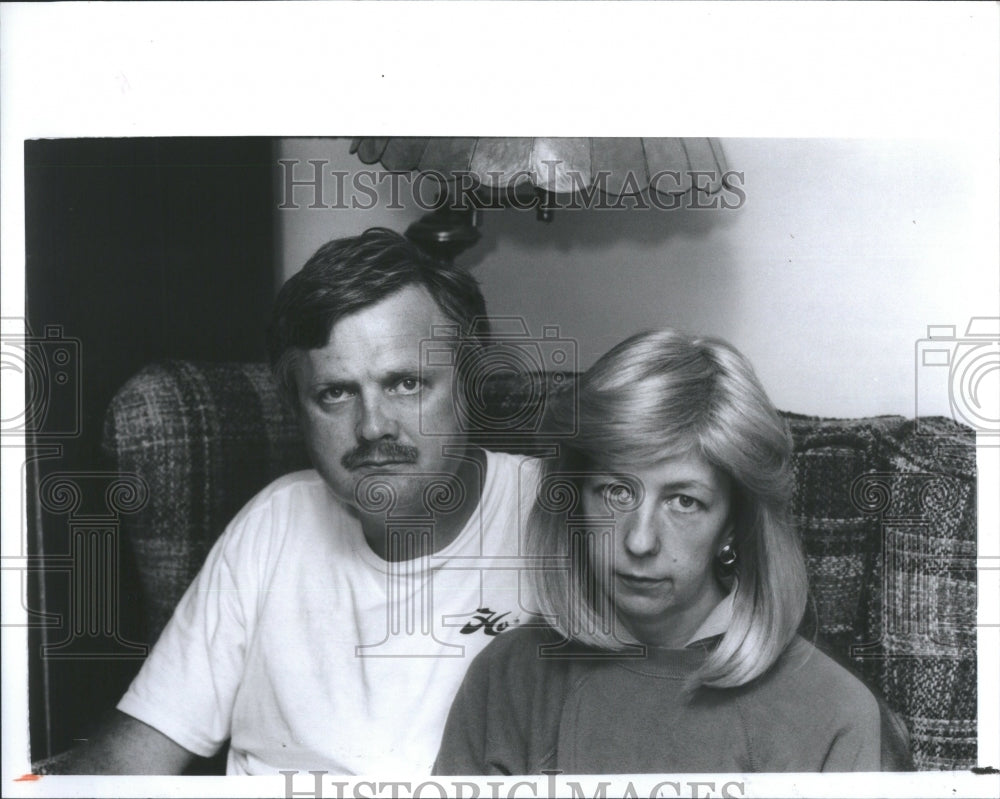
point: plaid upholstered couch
(886, 507)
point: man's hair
(657, 395)
(347, 275)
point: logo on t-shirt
(489, 622)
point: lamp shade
(497, 172)
(614, 166)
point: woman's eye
(619, 491)
(619, 495)
(684, 503)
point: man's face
(365, 397)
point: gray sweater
(581, 713)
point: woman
(673, 584)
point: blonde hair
(655, 395)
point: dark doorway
(137, 250)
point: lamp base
(446, 233)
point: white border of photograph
(746, 69)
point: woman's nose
(642, 537)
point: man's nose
(375, 421)
(642, 537)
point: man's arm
(122, 745)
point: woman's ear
(729, 536)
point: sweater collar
(679, 663)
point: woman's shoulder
(519, 647)
(811, 713)
(806, 669)
(533, 654)
(516, 672)
(806, 686)
(807, 689)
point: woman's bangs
(639, 425)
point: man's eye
(408, 385)
(332, 395)
(684, 503)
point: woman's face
(670, 520)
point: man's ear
(464, 374)
(290, 398)
(297, 409)
(284, 377)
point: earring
(726, 559)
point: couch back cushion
(886, 508)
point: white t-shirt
(312, 653)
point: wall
(842, 255)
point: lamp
(484, 172)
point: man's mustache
(376, 452)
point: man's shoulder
(306, 482)
(289, 497)
(296, 508)
(308, 479)
(512, 469)
(510, 460)
(510, 490)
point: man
(334, 619)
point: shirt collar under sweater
(682, 663)
(717, 621)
